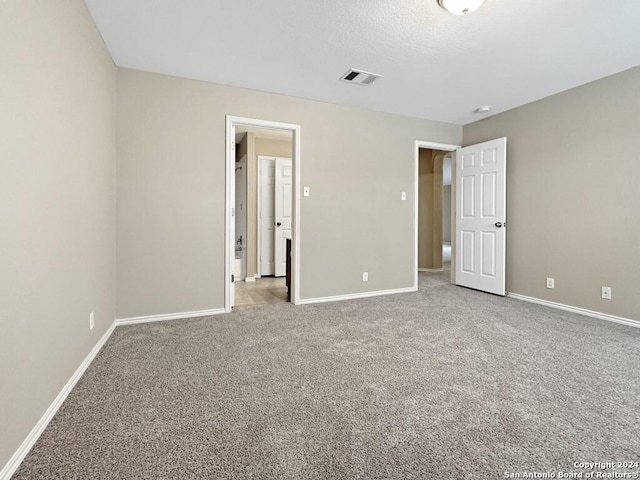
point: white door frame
(447, 148)
(229, 250)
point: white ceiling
(433, 64)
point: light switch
(306, 191)
(404, 195)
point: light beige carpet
(445, 383)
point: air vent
(360, 77)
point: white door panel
(481, 216)
(467, 263)
(267, 216)
(283, 212)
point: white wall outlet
(306, 191)
(403, 196)
(606, 293)
(91, 321)
(551, 283)
(365, 276)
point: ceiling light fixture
(460, 7)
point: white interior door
(481, 214)
(267, 216)
(283, 211)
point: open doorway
(434, 164)
(263, 215)
(262, 210)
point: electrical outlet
(551, 283)
(403, 196)
(606, 293)
(365, 276)
(91, 321)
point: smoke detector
(359, 77)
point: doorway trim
(229, 250)
(447, 148)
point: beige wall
(57, 215)
(430, 209)
(573, 196)
(267, 147)
(171, 192)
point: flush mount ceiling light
(460, 7)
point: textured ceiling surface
(434, 65)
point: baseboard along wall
(169, 316)
(580, 311)
(352, 296)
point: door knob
(498, 224)
(278, 224)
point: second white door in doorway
(283, 213)
(266, 175)
(275, 177)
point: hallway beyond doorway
(264, 291)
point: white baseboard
(581, 311)
(251, 279)
(352, 296)
(431, 270)
(169, 316)
(17, 458)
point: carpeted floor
(445, 383)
